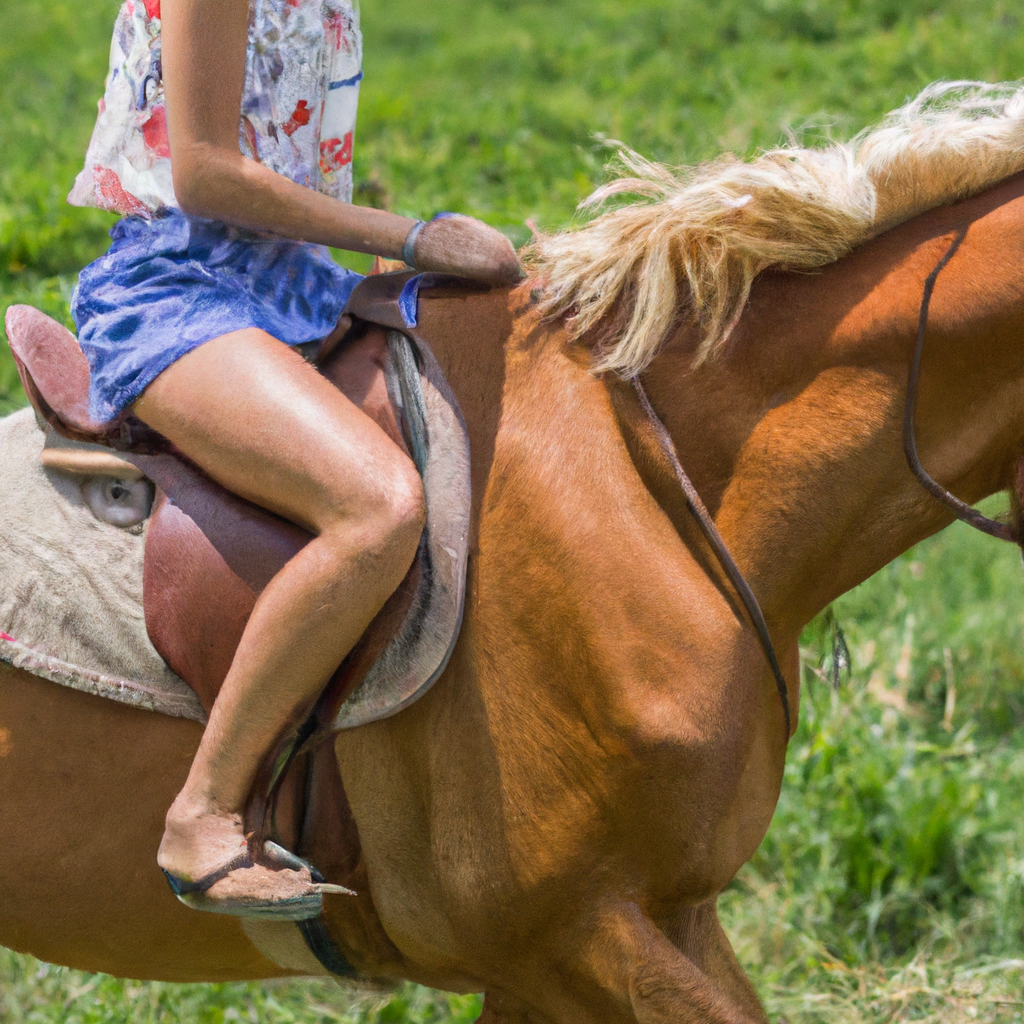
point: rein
(964, 512)
(714, 538)
(960, 509)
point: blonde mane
(718, 225)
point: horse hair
(697, 237)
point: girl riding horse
(224, 139)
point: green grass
(35, 993)
(891, 884)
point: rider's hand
(455, 244)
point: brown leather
(375, 299)
(327, 834)
(210, 554)
(204, 569)
(53, 369)
(55, 375)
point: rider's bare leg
(267, 426)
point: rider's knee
(389, 509)
(406, 505)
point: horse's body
(553, 821)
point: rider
(225, 133)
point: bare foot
(197, 841)
(210, 867)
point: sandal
(308, 903)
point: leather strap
(319, 942)
(725, 560)
(964, 512)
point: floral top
(298, 116)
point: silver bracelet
(409, 245)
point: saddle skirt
(208, 553)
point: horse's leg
(621, 967)
(500, 1008)
(698, 934)
(697, 981)
(84, 786)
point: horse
(552, 823)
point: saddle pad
(71, 586)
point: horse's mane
(620, 279)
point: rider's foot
(198, 840)
(210, 866)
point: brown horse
(553, 822)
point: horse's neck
(566, 529)
(794, 436)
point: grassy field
(891, 884)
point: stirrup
(291, 908)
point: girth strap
(325, 949)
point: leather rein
(714, 539)
(960, 509)
(964, 512)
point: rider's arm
(203, 59)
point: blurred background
(891, 884)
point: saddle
(210, 553)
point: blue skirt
(169, 284)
